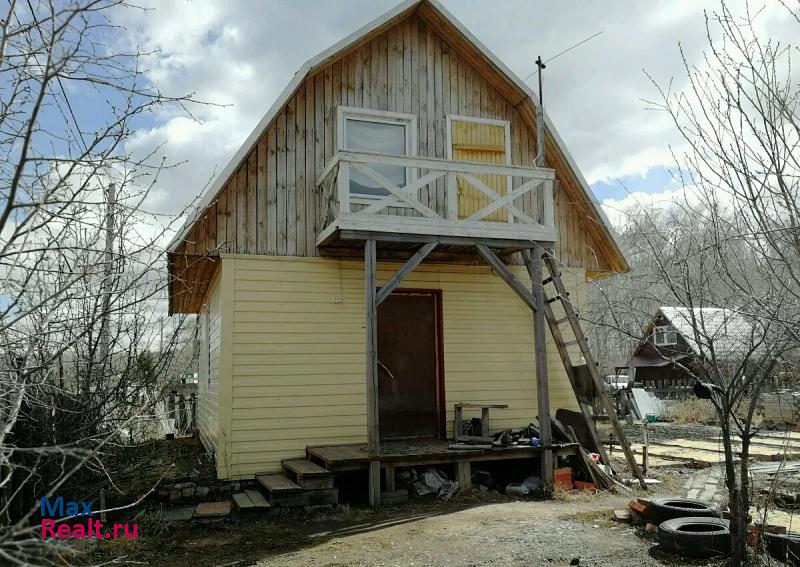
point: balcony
(454, 203)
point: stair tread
(257, 498)
(305, 468)
(277, 483)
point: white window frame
(344, 113)
(666, 330)
(506, 124)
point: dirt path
(509, 533)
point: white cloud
(241, 55)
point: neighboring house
(678, 338)
(407, 133)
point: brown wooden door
(409, 393)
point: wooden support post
(484, 422)
(502, 270)
(403, 272)
(458, 422)
(542, 385)
(390, 484)
(373, 432)
(464, 475)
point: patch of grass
(694, 410)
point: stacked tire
(690, 527)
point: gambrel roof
(503, 79)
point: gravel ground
(508, 534)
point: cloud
(242, 54)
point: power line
(565, 51)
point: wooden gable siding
(271, 205)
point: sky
(240, 54)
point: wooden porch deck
(355, 456)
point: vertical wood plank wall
(272, 205)
(298, 353)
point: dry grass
(693, 410)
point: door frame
(506, 124)
(441, 410)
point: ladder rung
(553, 299)
(561, 321)
(547, 280)
(571, 343)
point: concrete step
(307, 474)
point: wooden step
(307, 474)
(277, 483)
(284, 493)
(250, 501)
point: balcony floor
(396, 236)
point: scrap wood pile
(598, 475)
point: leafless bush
(81, 355)
(732, 240)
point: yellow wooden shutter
(482, 143)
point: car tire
(668, 508)
(697, 537)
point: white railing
(426, 172)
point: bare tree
(81, 270)
(732, 241)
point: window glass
(382, 137)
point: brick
(622, 516)
(213, 509)
(642, 509)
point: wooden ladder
(571, 317)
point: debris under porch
(402, 454)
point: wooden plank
(542, 385)
(230, 213)
(438, 119)
(252, 207)
(257, 499)
(261, 197)
(408, 79)
(272, 190)
(305, 468)
(300, 175)
(280, 176)
(404, 271)
(277, 483)
(310, 196)
(326, 107)
(241, 209)
(291, 179)
(243, 502)
(480, 406)
(502, 270)
(383, 71)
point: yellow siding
(208, 383)
(298, 353)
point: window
(381, 132)
(665, 336)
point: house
(678, 338)
(357, 267)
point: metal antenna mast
(540, 117)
